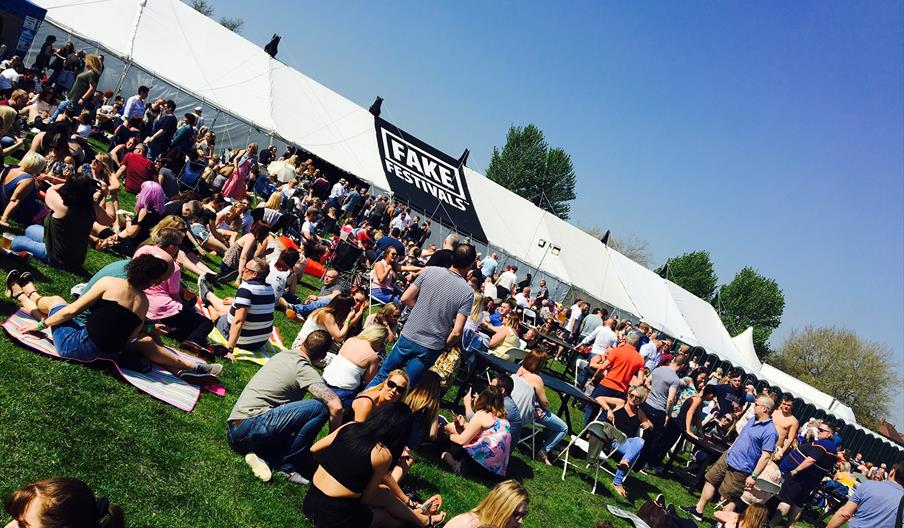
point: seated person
(354, 461)
(284, 273)
(19, 198)
(472, 339)
(247, 319)
(513, 413)
(118, 310)
(272, 423)
(356, 363)
(170, 304)
(388, 318)
(505, 337)
(506, 506)
(382, 277)
(754, 516)
(529, 371)
(336, 318)
(148, 210)
(249, 246)
(330, 289)
(629, 419)
(391, 390)
(60, 501)
(484, 442)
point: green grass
(170, 468)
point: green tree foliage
(694, 272)
(751, 299)
(203, 7)
(528, 166)
(232, 24)
(836, 361)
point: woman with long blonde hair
(504, 507)
(391, 390)
(356, 363)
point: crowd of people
(267, 218)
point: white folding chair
(529, 317)
(579, 363)
(517, 354)
(605, 433)
(536, 429)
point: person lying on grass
(116, 323)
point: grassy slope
(169, 468)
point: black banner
(427, 179)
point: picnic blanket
(273, 346)
(157, 382)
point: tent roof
(651, 296)
(744, 343)
(708, 328)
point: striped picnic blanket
(273, 346)
(157, 382)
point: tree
(751, 299)
(203, 7)
(836, 361)
(232, 24)
(694, 272)
(633, 247)
(527, 166)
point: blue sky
(769, 133)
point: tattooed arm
(329, 398)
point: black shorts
(793, 492)
(331, 512)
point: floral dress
(491, 448)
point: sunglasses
(633, 397)
(821, 430)
(519, 516)
(393, 385)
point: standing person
(135, 105)
(82, 91)
(802, 470)
(874, 504)
(136, 168)
(443, 257)
(237, 185)
(604, 339)
(272, 423)
(689, 420)
(650, 351)
(42, 60)
(620, 365)
(787, 425)
(659, 404)
(488, 265)
(731, 396)
(742, 463)
(507, 281)
(162, 131)
(440, 301)
(575, 314)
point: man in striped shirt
(248, 321)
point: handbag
(655, 515)
(227, 170)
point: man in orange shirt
(620, 365)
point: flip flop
(12, 278)
(434, 504)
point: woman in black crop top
(629, 419)
(118, 308)
(354, 460)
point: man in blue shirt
(802, 470)
(391, 240)
(740, 466)
(731, 396)
(874, 503)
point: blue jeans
(304, 310)
(555, 430)
(415, 358)
(630, 450)
(282, 436)
(384, 296)
(33, 242)
(71, 341)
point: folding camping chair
(600, 436)
(346, 259)
(190, 177)
(529, 317)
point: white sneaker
(260, 468)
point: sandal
(432, 505)
(25, 277)
(12, 278)
(439, 520)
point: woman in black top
(689, 420)
(354, 460)
(118, 309)
(628, 418)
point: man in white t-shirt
(522, 298)
(603, 338)
(507, 281)
(489, 289)
(575, 314)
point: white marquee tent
(192, 59)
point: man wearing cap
(337, 194)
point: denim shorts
(72, 342)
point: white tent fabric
(807, 392)
(744, 343)
(651, 296)
(708, 328)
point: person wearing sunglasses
(628, 418)
(392, 389)
(505, 507)
(803, 469)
